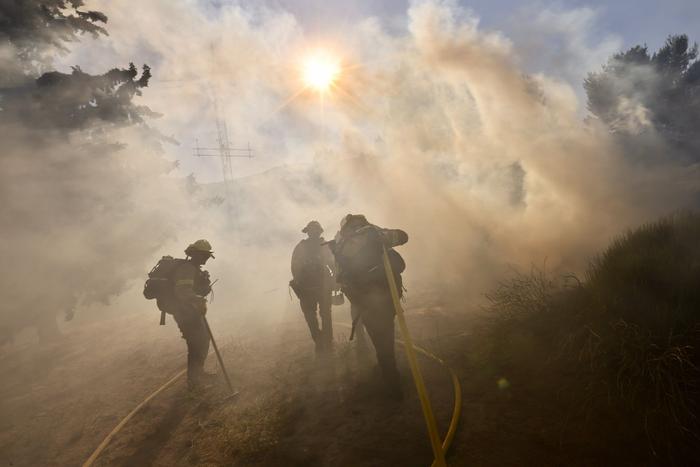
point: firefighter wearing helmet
(182, 293)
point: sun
(320, 71)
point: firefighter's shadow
(158, 435)
(338, 375)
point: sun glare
(319, 71)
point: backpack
(159, 283)
(309, 268)
(359, 258)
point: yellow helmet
(200, 246)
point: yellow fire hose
(438, 452)
(456, 386)
(121, 424)
(168, 383)
(457, 410)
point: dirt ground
(294, 408)
(59, 399)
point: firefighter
(313, 270)
(187, 303)
(358, 250)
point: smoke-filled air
(530, 185)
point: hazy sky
(563, 40)
(635, 21)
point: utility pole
(226, 153)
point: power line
(225, 152)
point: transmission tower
(226, 153)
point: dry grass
(628, 334)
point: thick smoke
(434, 128)
(82, 184)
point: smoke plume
(434, 128)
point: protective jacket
(313, 265)
(190, 287)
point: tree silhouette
(35, 30)
(79, 100)
(636, 92)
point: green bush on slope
(629, 333)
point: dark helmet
(311, 226)
(200, 246)
(353, 221)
